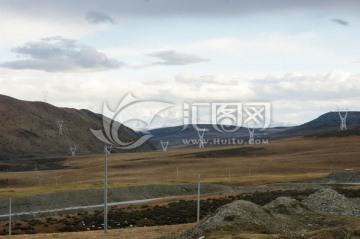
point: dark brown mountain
(30, 129)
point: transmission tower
(107, 149)
(164, 145)
(251, 135)
(201, 133)
(60, 124)
(73, 150)
(343, 115)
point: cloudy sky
(302, 56)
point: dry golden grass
(280, 161)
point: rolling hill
(30, 129)
(180, 136)
(327, 124)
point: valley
(285, 167)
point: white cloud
(295, 98)
(59, 54)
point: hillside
(325, 125)
(329, 121)
(30, 129)
(180, 136)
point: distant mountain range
(30, 129)
(186, 136)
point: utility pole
(10, 217)
(107, 151)
(198, 201)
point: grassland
(287, 160)
(279, 161)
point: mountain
(181, 136)
(30, 129)
(326, 122)
(352, 131)
(188, 136)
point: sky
(302, 57)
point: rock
(244, 215)
(328, 201)
(284, 218)
(285, 205)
